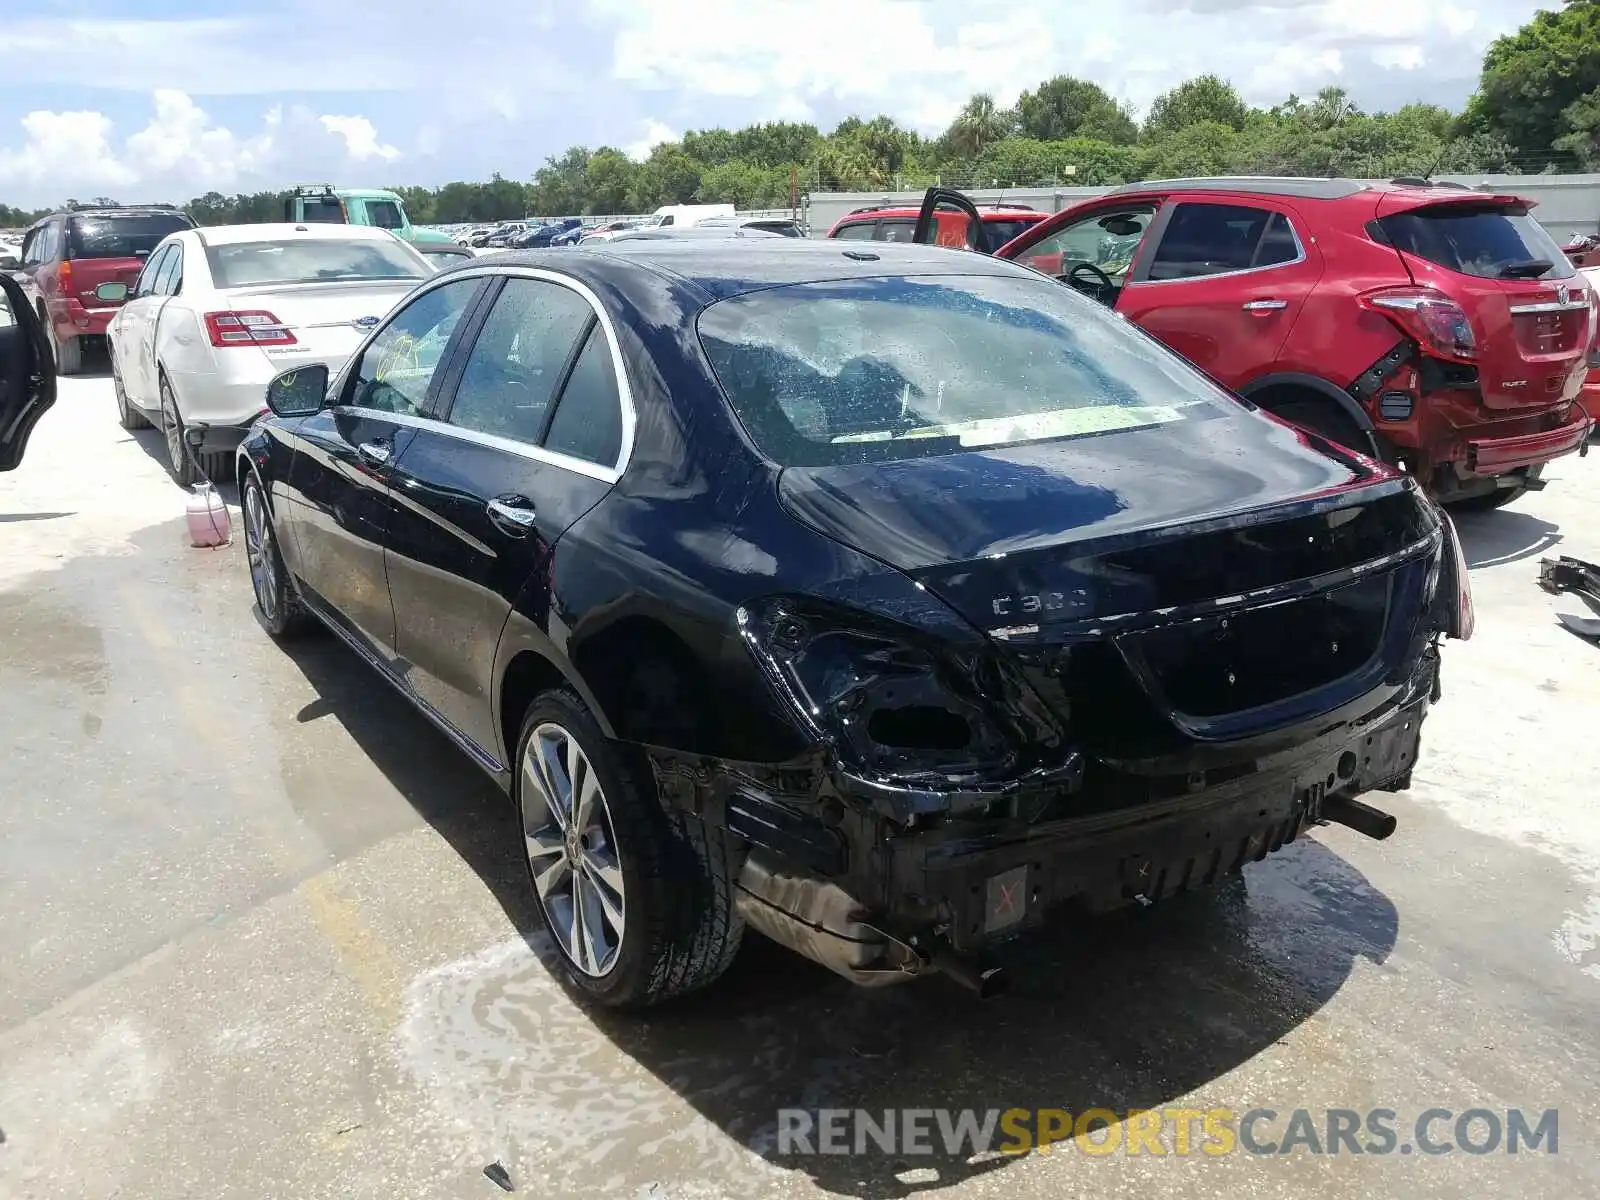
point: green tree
(1065, 107)
(1204, 98)
(978, 125)
(1532, 79)
(560, 186)
(609, 178)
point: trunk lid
(1533, 326)
(328, 320)
(1209, 580)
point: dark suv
(66, 256)
(1428, 325)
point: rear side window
(1209, 239)
(1489, 241)
(896, 231)
(517, 362)
(858, 231)
(323, 210)
(121, 235)
(588, 420)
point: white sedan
(217, 313)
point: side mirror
(10, 262)
(111, 293)
(300, 392)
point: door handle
(375, 454)
(514, 514)
(1265, 305)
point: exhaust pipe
(1363, 818)
(986, 980)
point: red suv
(878, 223)
(1428, 325)
(69, 254)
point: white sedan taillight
(258, 328)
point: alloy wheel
(172, 425)
(572, 850)
(258, 551)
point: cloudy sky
(151, 99)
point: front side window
(516, 364)
(1106, 240)
(896, 231)
(398, 366)
(865, 370)
(385, 214)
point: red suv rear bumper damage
(1491, 456)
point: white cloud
(361, 136)
(180, 153)
(654, 134)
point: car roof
(1000, 212)
(723, 267)
(223, 235)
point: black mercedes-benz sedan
(893, 602)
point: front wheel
(129, 417)
(277, 600)
(638, 901)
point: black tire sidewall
(286, 600)
(182, 469)
(648, 849)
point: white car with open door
(217, 313)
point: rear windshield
(313, 260)
(864, 370)
(1488, 241)
(121, 235)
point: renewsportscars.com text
(1162, 1131)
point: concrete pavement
(263, 928)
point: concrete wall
(1567, 204)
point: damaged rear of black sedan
(914, 604)
(1135, 636)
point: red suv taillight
(1434, 320)
(247, 329)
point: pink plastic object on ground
(208, 516)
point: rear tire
(188, 465)
(679, 931)
(129, 417)
(68, 352)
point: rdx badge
(1037, 602)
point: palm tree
(979, 124)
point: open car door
(27, 372)
(948, 218)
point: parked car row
(1428, 326)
